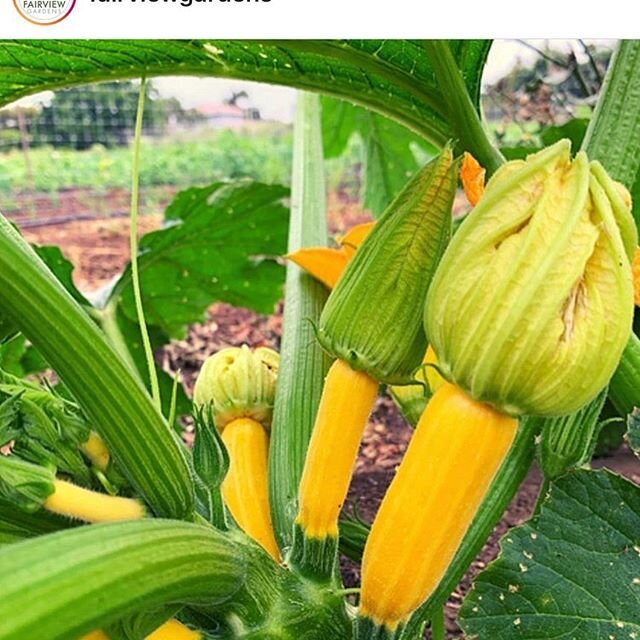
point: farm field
(96, 181)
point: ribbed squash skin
(114, 400)
(456, 450)
(347, 399)
(245, 488)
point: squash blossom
(532, 303)
(240, 385)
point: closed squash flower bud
(532, 304)
(240, 383)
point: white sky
(275, 103)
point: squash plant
(177, 562)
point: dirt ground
(99, 249)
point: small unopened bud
(238, 383)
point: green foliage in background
(390, 153)
(217, 155)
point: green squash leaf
(393, 77)
(392, 153)
(221, 246)
(62, 269)
(571, 573)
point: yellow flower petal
(326, 264)
(322, 263)
(472, 177)
(354, 237)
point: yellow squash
(76, 502)
(456, 450)
(371, 326)
(96, 635)
(174, 630)
(96, 451)
(239, 384)
(347, 399)
(245, 487)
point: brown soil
(86, 202)
(99, 248)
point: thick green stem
(612, 138)
(91, 576)
(303, 364)
(614, 131)
(462, 115)
(438, 630)
(109, 324)
(112, 397)
(274, 602)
